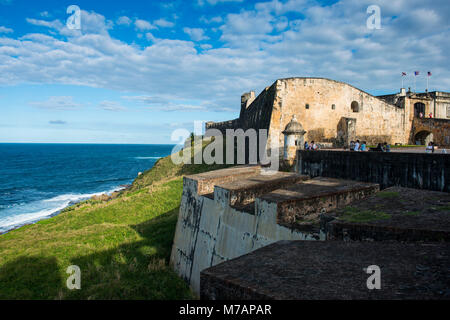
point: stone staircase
(296, 199)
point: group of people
(430, 115)
(311, 146)
(357, 146)
(382, 147)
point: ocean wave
(19, 220)
(43, 209)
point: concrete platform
(395, 213)
(207, 180)
(244, 191)
(301, 204)
(305, 270)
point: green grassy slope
(122, 245)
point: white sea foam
(15, 221)
(43, 209)
(147, 158)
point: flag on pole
(403, 74)
(429, 73)
(416, 73)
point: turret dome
(294, 127)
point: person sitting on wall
(386, 147)
(431, 115)
(429, 148)
(352, 145)
(421, 115)
(363, 146)
(313, 146)
(306, 145)
(356, 147)
(379, 148)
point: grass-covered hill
(122, 245)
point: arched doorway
(419, 108)
(423, 138)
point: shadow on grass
(30, 278)
(136, 270)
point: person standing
(306, 145)
(386, 147)
(356, 148)
(431, 115)
(429, 148)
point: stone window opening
(307, 106)
(333, 107)
(355, 106)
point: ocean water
(39, 180)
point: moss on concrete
(352, 214)
(388, 194)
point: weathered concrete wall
(210, 231)
(411, 170)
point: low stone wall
(411, 170)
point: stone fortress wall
(227, 213)
(328, 108)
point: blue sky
(137, 70)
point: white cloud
(143, 25)
(6, 30)
(214, 2)
(206, 46)
(111, 106)
(55, 24)
(163, 23)
(256, 48)
(57, 103)
(217, 19)
(124, 20)
(196, 34)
